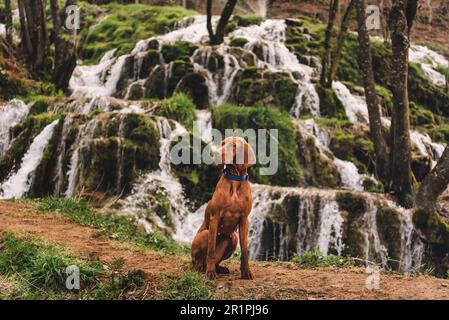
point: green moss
(232, 117)
(439, 133)
(238, 42)
(389, 227)
(330, 105)
(180, 50)
(125, 25)
(351, 202)
(179, 108)
(247, 20)
(286, 92)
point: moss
(23, 135)
(351, 202)
(198, 180)
(330, 105)
(355, 147)
(439, 133)
(247, 20)
(389, 227)
(180, 50)
(286, 93)
(232, 117)
(238, 42)
(179, 108)
(124, 26)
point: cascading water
(429, 61)
(19, 183)
(10, 114)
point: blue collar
(235, 178)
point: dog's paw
(211, 274)
(247, 275)
(222, 270)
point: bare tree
(217, 37)
(336, 54)
(34, 33)
(372, 101)
(401, 20)
(8, 21)
(333, 10)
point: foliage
(189, 285)
(40, 269)
(315, 259)
(179, 108)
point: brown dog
(230, 206)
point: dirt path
(273, 280)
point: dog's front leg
(211, 244)
(243, 233)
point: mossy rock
(389, 229)
(198, 180)
(421, 166)
(286, 93)
(179, 108)
(247, 20)
(150, 59)
(238, 42)
(330, 105)
(353, 203)
(181, 50)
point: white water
(204, 120)
(19, 183)
(350, 177)
(429, 61)
(355, 106)
(10, 114)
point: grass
(125, 25)
(179, 108)
(125, 228)
(189, 285)
(37, 270)
(315, 259)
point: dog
(229, 208)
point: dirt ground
(272, 279)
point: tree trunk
(333, 9)
(433, 185)
(402, 176)
(336, 55)
(8, 21)
(218, 36)
(372, 101)
(224, 19)
(55, 15)
(34, 33)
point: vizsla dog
(229, 208)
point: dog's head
(235, 151)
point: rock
(194, 84)
(291, 22)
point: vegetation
(315, 259)
(189, 285)
(124, 227)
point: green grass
(315, 259)
(187, 286)
(179, 108)
(38, 270)
(125, 228)
(125, 25)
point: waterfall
(19, 183)
(355, 106)
(161, 180)
(10, 115)
(270, 36)
(429, 61)
(98, 80)
(204, 120)
(85, 134)
(350, 177)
